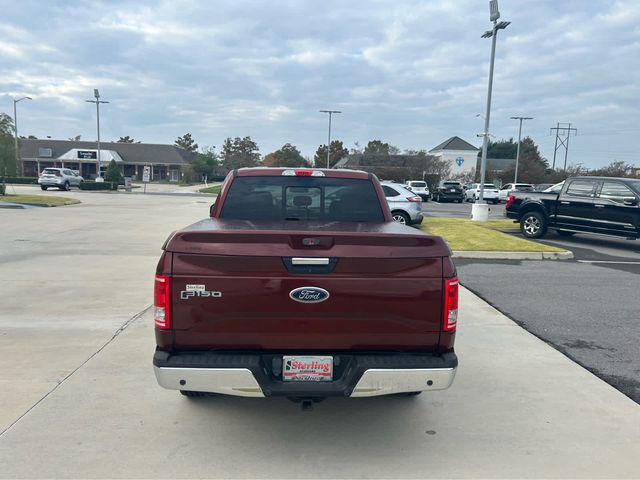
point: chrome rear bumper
(241, 381)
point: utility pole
(564, 142)
(97, 101)
(330, 112)
(15, 130)
(480, 209)
(515, 177)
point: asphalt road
(79, 398)
(458, 210)
(588, 308)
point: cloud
(412, 73)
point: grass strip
(214, 189)
(466, 235)
(40, 200)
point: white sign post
(146, 176)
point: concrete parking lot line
(518, 408)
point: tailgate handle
(309, 261)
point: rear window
(451, 184)
(50, 170)
(302, 198)
(418, 184)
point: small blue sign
(459, 161)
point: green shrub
(21, 180)
(113, 173)
(98, 185)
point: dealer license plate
(307, 368)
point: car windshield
(635, 184)
(418, 184)
(554, 188)
(302, 198)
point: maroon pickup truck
(301, 285)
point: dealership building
(167, 162)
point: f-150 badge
(198, 291)
(309, 294)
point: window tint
(302, 198)
(389, 192)
(50, 171)
(581, 188)
(616, 192)
(418, 184)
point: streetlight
(515, 177)
(480, 209)
(97, 101)
(15, 129)
(330, 112)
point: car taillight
(303, 173)
(510, 199)
(414, 199)
(450, 307)
(161, 296)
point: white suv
(472, 193)
(61, 178)
(420, 188)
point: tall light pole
(15, 129)
(97, 101)
(515, 177)
(330, 112)
(480, 209)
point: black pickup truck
(600, 205)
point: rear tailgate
(384, 283)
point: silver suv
(405, 206)
(61, 178)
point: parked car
(61, 178)
(513, 187)
(420, 188)
(449, 190)
(602, 205)
(280, 295)
(405, 205)
(472, 193)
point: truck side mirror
(211, 208)
(630, 201)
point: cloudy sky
(411, 73)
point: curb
(46, 205)
(566, 255)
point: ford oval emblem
(309, 294)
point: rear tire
(66, 187)
(533, 225)
(401, 218)
(42, 187)
(192, 394)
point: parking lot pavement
(587, 307)
(517, 408)
(459, 210)
(69, 277)
(79, 399)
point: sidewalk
(518, 408)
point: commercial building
(168, 162)
(460, 153)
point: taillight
(414, 199)
(302, 173)
(510, 199)
(450, 306)
(161, 296)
